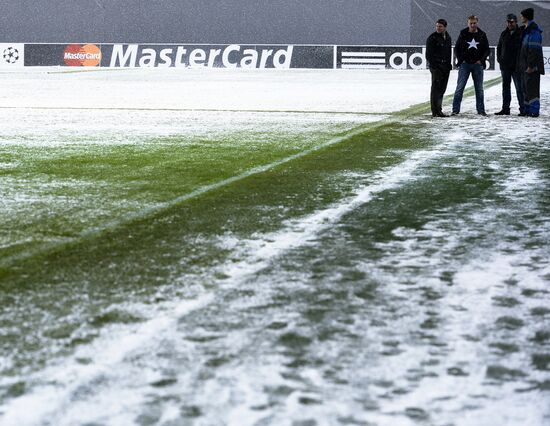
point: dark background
(344, 22)
(491, 14)
(204, 21)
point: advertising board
(224, 56)
(220, 56)
(13, 55)
(185, 56)
(389, 57)
(71, 55)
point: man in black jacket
(471, 51)
(438, 54)
(508, 49)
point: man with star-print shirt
(471, 51)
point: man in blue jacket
(531, 62)
(471, 51)
(508, 48)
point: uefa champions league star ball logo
(11, 55)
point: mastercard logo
(76, 55)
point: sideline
(282, 111)
(8, 262)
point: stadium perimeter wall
(491, 14)
(340, 22)
(239, 33)
(210, 22)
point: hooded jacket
(531, 54)
(439, 51)
(472, 47)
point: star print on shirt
(472, 44)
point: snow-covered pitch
(269, 248)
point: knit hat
(511, 17)
(528, 13)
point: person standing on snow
(531, 62)
(508, 49)
(471, 51)
(438, 55)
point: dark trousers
(531, 92)
(439, 86)
(507, 77)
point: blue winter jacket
(530, 54)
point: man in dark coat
(438, 54)
(508, 49)
(471, 51)
(531, 62)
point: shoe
(440, 114)
(454, 113)
(484, 114)
(503, 112)
(533, 114)
(523, 114)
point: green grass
(80, 196)
(70, 191)
(147, 257)
(255, 203)
(158, 256)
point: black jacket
(509, 45)
(439, 51)
(472, 47)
